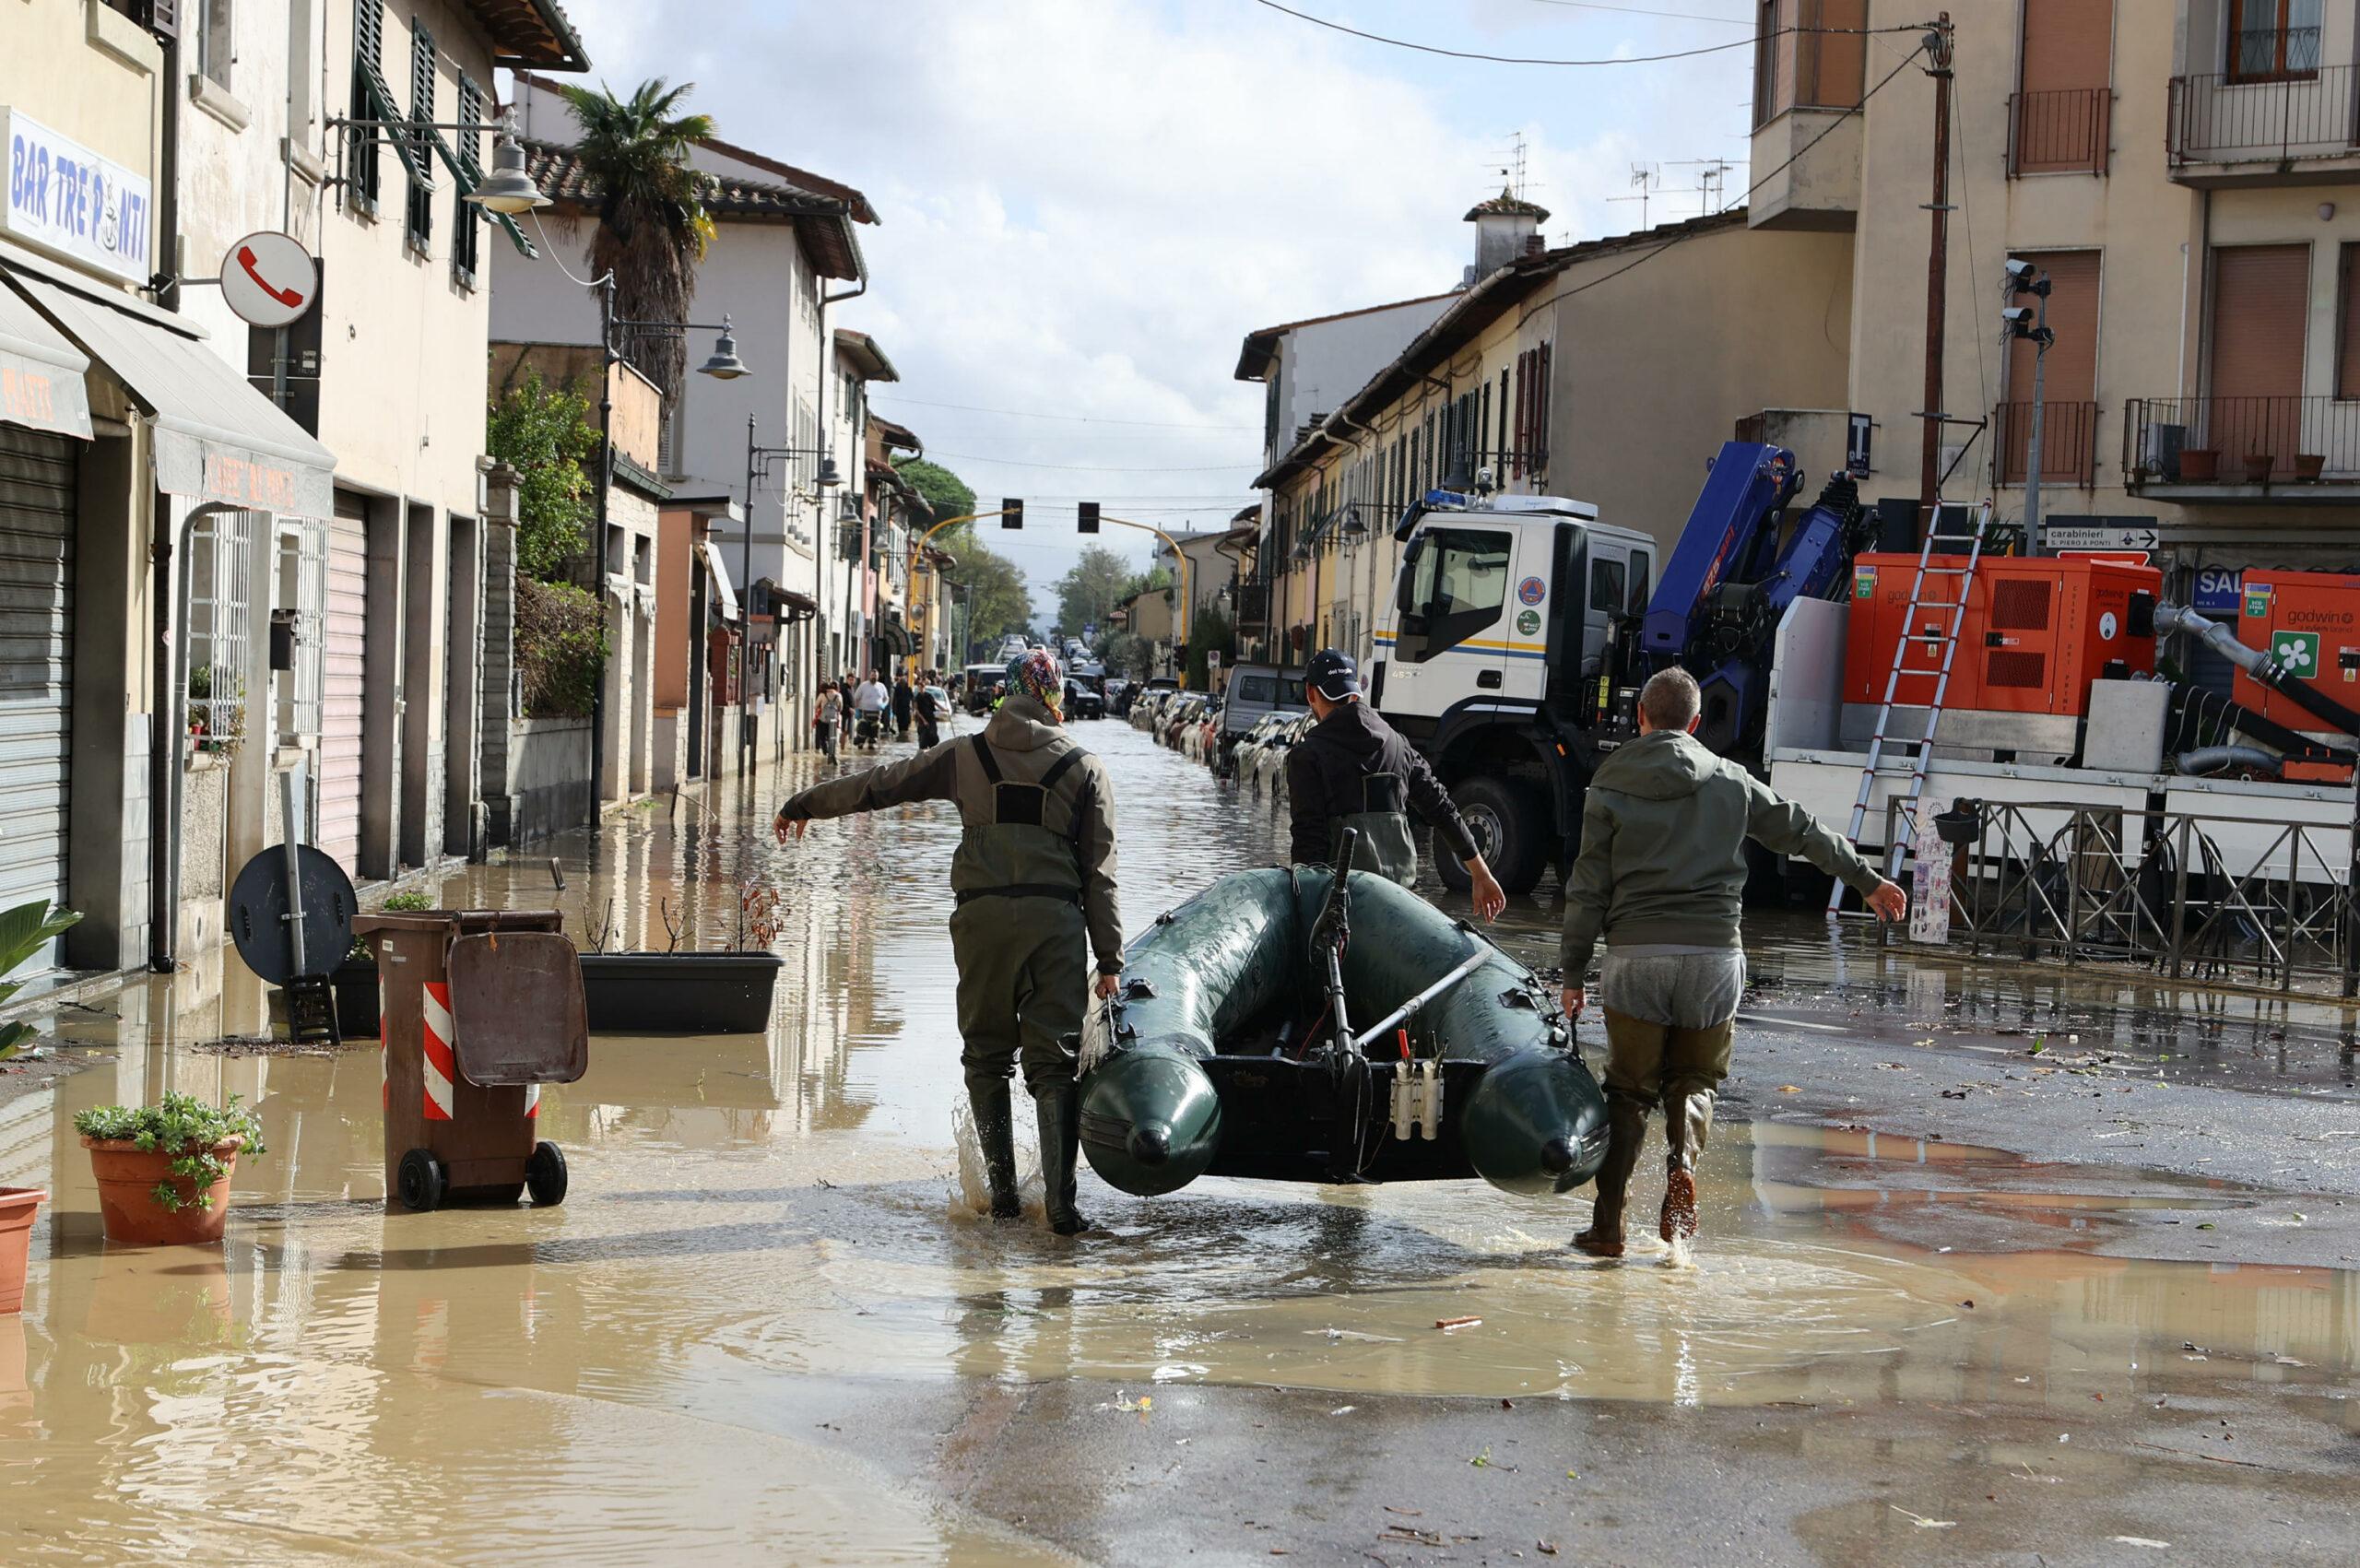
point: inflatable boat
(1302, 1026)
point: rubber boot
(1626, 1135)
(1687, 1121)
(995, 1136)
(1058, 1104)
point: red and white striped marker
(442, 1066)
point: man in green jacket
(1661, 878)
(1033, 878)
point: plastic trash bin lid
(517, 1009)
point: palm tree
(653, 227)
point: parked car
(1271, 763)
(1249, 749)
(1175, 717)
(1254, 691)
(1119, 693)
(1086, 692)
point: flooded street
(767, 1327)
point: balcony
(2069, 443)
(2278, 450)
(1251, 602)
(2064, 132)
(2294, 125)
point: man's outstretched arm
(932, 774)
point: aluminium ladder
(1955, 608)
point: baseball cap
(1333, 674)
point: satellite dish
(258, 906)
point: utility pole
(1929, 477)
(2031, 325)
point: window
(1808, 54)
(1607, 586)
(2273, 40)
(302, 573)
(421, 227)
(2068, 380)
(368, 60)
(2061, 119)
(1642, 582)
(466, 218)
(214, 652)
(216, 48)
(1453, 589)
(2347, 322)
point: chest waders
(1021, 949)
(1384, 845)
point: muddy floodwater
(656, 1370)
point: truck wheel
(421, 1181)
(545, 1175)
(1510, 827)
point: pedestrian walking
(871, 700)
(1661, 878)
(902, 706)
(826, 714)
(928, 711)
(1350, 770)
(1032, 880)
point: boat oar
(1408, 1009)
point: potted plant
(24, 931)
(2200, 465)
(2258, 466)
(164, 1169)
(2309, 466)
(697, 992)
(356, 978)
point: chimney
(1506, 227)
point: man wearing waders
(1662, 877)
(1033, 878)
(1352, 770)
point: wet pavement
(1958, 1297)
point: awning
(720, 579)
(894, 636)
(217, 438)
(40, 373)
(798, 606)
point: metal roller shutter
(2261, 301)
(347, 630)
(38, 473)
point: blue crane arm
(1724, 537)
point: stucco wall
(548, 776)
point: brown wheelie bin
(478, 1009)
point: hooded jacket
(1026, 744)
(1327, 781)
(1663, 849)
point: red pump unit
(2036, 631)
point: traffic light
(1088, 522)
(1011, 513)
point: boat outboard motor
(1347, 1073)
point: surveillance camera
(2019, 270)
(2017, 316)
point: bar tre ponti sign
(65, 196)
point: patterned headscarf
(1036, 675)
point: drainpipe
(859, 573)
(165, 726)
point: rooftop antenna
(1645, 178)
(1712, 180)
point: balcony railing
(2287, 118)
(1252, 603)
(2232, 441)
(2069, 443)
(2064, 132)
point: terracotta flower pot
(16, 1206)
(2258, 466)
(127, 1179)
(2309, 465)
(2200, 465)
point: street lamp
(2031, 325)
(723, 365)
(507, 189)
(758, 462)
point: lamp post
(759, 461)
(723, 364)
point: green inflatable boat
(1296, 1026)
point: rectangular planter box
(626, 994)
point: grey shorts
(1679, 991)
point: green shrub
(546, 435)
(561, 648)
(24, 931)
(186, 1127)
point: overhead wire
(1747, 43)
(1097, 467)
(1077, 419)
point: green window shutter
(420, 223)
(467, 233)
(368, 53)
(466, 171)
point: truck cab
(1491, 655)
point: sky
(1086, 205)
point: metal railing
(2060, 132)
(2069, 443)
(2282, 117)
(2190, 894)
(1251, 602)
(2234, 440)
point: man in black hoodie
(1352, 770)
